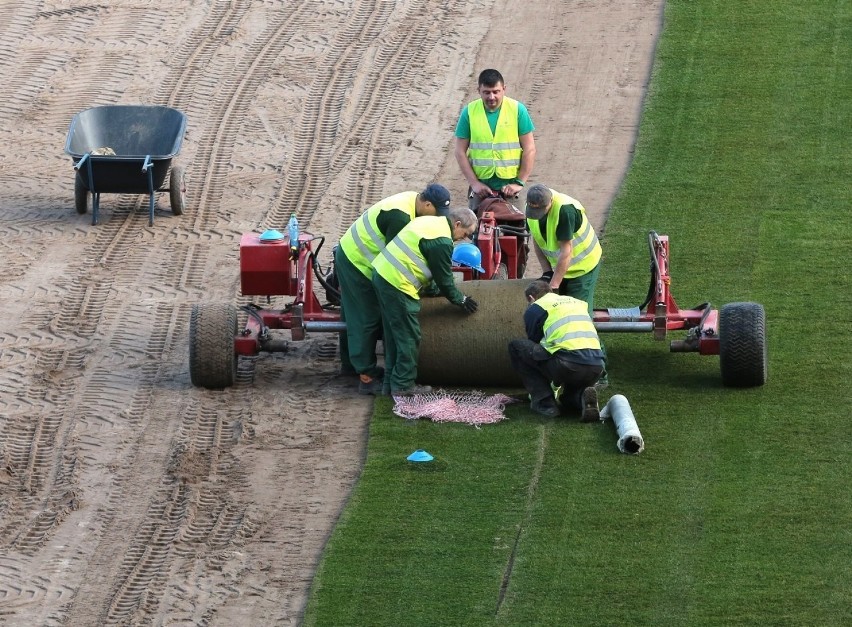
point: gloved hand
(469, 305)
(547, 277)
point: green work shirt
(569, 222)
(439, 257)
(391, 222)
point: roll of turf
(471, 350)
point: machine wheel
(502, 272)
(212, 359)
(177, 190)
(742, 344)
(81, 196)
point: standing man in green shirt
(421, 254)
(495, 147)
(353, 259)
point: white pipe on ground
(629, 438)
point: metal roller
(471, 350)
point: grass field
(739, 510)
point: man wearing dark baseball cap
(565, 244)
(353, 259)
(439, 196)
(539, 198)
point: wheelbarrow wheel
(81, 196)
(212, 359)
(742, 344)
(177, 190)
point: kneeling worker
(420, 254)
(562, 348)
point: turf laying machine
(456, 349)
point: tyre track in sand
(115, 391)
(145, 564)
(33, 446)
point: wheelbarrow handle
(82, 161)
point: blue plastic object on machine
(468, 255)
(293, 232)
(271, 235)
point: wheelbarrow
(126, 149)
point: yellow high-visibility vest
(499, 153)
(568, 325)
(363, 240)
(587, 249)
(401, 263)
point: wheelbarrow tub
(134, 133)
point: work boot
(591, 411)
(414, 389)
(547, 407)
(370, 385)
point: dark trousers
(401, 327)
(359, 308)
(538, 368)
(583, 287)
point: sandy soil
(127, 495)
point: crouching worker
(562, 348)
(421, 253)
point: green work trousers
(401, 324)
(359, 308)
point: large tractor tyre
(177, 190)
(81, 196)
(742, 344)
(212, 359)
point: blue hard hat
(468, 255)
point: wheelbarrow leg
(96, 196)
(151, 210)
(148, 168)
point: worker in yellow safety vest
(353, 267)
(494, 143)
(417, 258)
(562, 352)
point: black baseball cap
(438, 195)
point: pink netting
(473, 408)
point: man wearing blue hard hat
(419, 255)
(353, 259)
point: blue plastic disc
(271, 235)
(420, 456)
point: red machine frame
(274, 268)
(661, 312)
